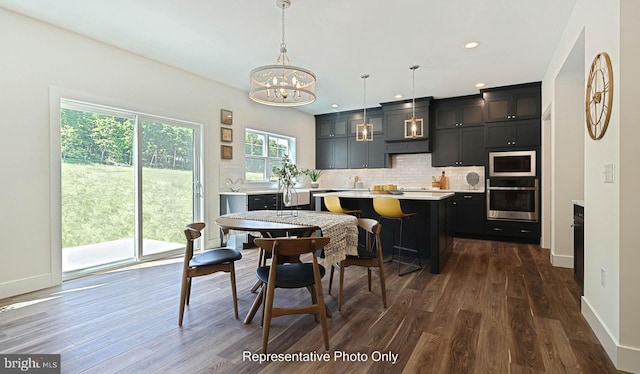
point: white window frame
(265, 153)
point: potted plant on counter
(314, 175)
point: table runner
(341, 228)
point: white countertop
(260, 192)
(440, 195)
(245, 192)
(579, 202)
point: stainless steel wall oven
(512, 199)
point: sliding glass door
(130, 183)
(169, 187)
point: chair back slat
(292, 246)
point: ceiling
(338, 40)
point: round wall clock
(599, 96)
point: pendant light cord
(413, 115)
(365, 98)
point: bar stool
(333, 205)
(389, 208)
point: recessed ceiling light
(470, 45)
(334, 105)
(480, 85)
(398, 96)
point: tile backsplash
(412, 170)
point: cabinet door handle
(468, 197)
(525, 231)
(497, 229)
(455, 203)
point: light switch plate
(608, 171)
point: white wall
(567, 161)
(610, 237)
(38, 63)
(629, 179)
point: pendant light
(414, 128)
(282, 84)
(364, 131)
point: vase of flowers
(286, 175)
(314, 175)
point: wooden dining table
(342, 228)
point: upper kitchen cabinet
(332, 153)
(374, 117)
(459, 112)
(512, 102)
(459, 136)
(525, 133)
(331, 125)
(367, 155)
(396, 112)
(459, 147)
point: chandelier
(364, 131)
(282, 84)
(414, 128)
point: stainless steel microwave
(512, 164)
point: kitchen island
(434, 221)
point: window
(263, 151)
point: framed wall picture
(227, 152)
(226, 134)
(226, 117)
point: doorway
(129, 184)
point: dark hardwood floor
(496, 308)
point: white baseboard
(20, 286)
(623, 357)
(561, 261)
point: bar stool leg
(414, 250)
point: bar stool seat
(389, 208)
(333, 205)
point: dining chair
(369, 256)
(208, 262)
(292, 275)
(333, 205)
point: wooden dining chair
(292, 275)
(208, 262)
(369, 256)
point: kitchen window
(263, 151)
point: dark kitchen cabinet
(459, 147)
(523, 230)
(332, 153)
(395, 113)
(331, 125)
(374, 117)
(512, 102)
(469, 213)
(578, 244)
(261, 202)
(459, 112)
(367, 154)
(523, 133)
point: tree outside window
(264, 150)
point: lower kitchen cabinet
(523, 230)
(578, 245)
(469, 213)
